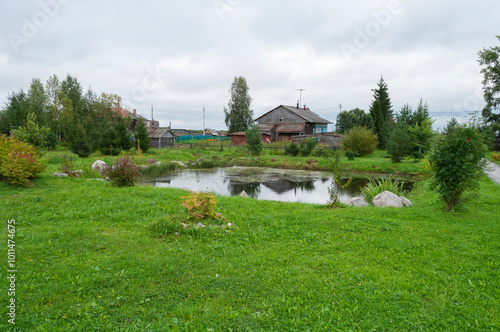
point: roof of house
(266, 126)
(160, 132)
(290, 127)
(238, 133)
(212, 132)
(305, 114)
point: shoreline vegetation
(89, 257)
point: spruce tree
(381, 111)
(142, 137)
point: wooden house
(162, 138)
(284, 122)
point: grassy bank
(88, 260)
(378, 162)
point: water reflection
(263, 183)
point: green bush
(307, 146)
(457, 160)
(351, 155)
(400, 143)
(200, 205)
(375, 187)
(19, 162)
(123, 173)
(293, 149)
(360, 140)
(254, 144)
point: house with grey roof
(284, 122)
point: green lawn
(88, 260)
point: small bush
(457, 160)
(360, 140)
(375, 187)
(18, 162)
(495, 156)
(351, 155)
(200, 206)
(424, 169)
(400, 143)
(67, 165)
(307, 146)
(293, 149)
(254, 144)
(123, 173)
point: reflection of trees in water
(252, 189)
(283, 185)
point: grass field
(88, 260)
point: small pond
(264, 183)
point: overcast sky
(182, 56)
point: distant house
(162, 138)
(284, 122)
(135, 118)
(239, 138)
(210, 132)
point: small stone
(243, 194)
(356, 201)
(60, 174)
(158, 163)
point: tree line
(60, 111)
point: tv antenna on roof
(300, 96)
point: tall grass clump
(158, 170)
(375, 187)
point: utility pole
(204, 121)
(340, 106)
(152, 120)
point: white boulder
(387, 199)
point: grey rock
(60, 174)
(357, 201)
(158, 163)
(243, 194)
(406, 202)
(99, 165)
(387, 199)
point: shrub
(457, 160)
(254, 144)
(201, 205)
(67, 165)
(123, 173)
(360, 140)
(307, 146)
(293, 149)
(400, 143)
(18, 161)
(351, 155)
(375, 187)
(495, 156)
(339, 170)
(32, 133)
(424, 169)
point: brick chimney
(134, 112)
(305, 107)
(298, 105)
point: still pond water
(263, 183)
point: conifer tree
(381, 112)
